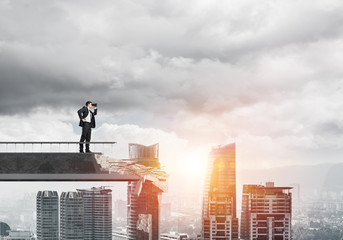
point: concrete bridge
(59, 167)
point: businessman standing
(87, 122)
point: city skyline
(217, 158)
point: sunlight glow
(195, 163)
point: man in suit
(87, 122)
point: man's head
(89, 104)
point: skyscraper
(71, 216)
(219, 220)
(97, 213)
(143, 211)
(266, 212)
(47, 215)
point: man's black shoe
(81, 151)
(88, 151)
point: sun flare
(195, 164)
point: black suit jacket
(83, 113)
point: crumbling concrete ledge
(76, 163)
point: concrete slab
(59, 177)
(58, 167)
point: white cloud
(36, 127)
(45, 126)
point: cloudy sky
(187, 74)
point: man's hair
(88, 102)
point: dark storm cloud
(23, 90)
(330, 127)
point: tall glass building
(47, 215)
(219, 220)
(71, 216)
(97, 213)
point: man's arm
(95, 111)
(79, 112)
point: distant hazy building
(166, 210)
(71, 216)
(97, 213)
(266, 212)
(4, 229)
(120, 208)
(296, 197)
(19, 235)
(219, 220)
(47, 215)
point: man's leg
(84, 134)
(88, 139)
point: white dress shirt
(89, 116)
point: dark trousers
(86, 135)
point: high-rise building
(143, 211)
(97, 213)
(47, 215)
(266, 212)
(166, 210)
(219, 220)
(120, 209)
(296, 194)
(71, 216)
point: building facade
(219, 220)
(47, 215)
(71, 216)
(266, 212)
(97, 213)
(143, 211)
